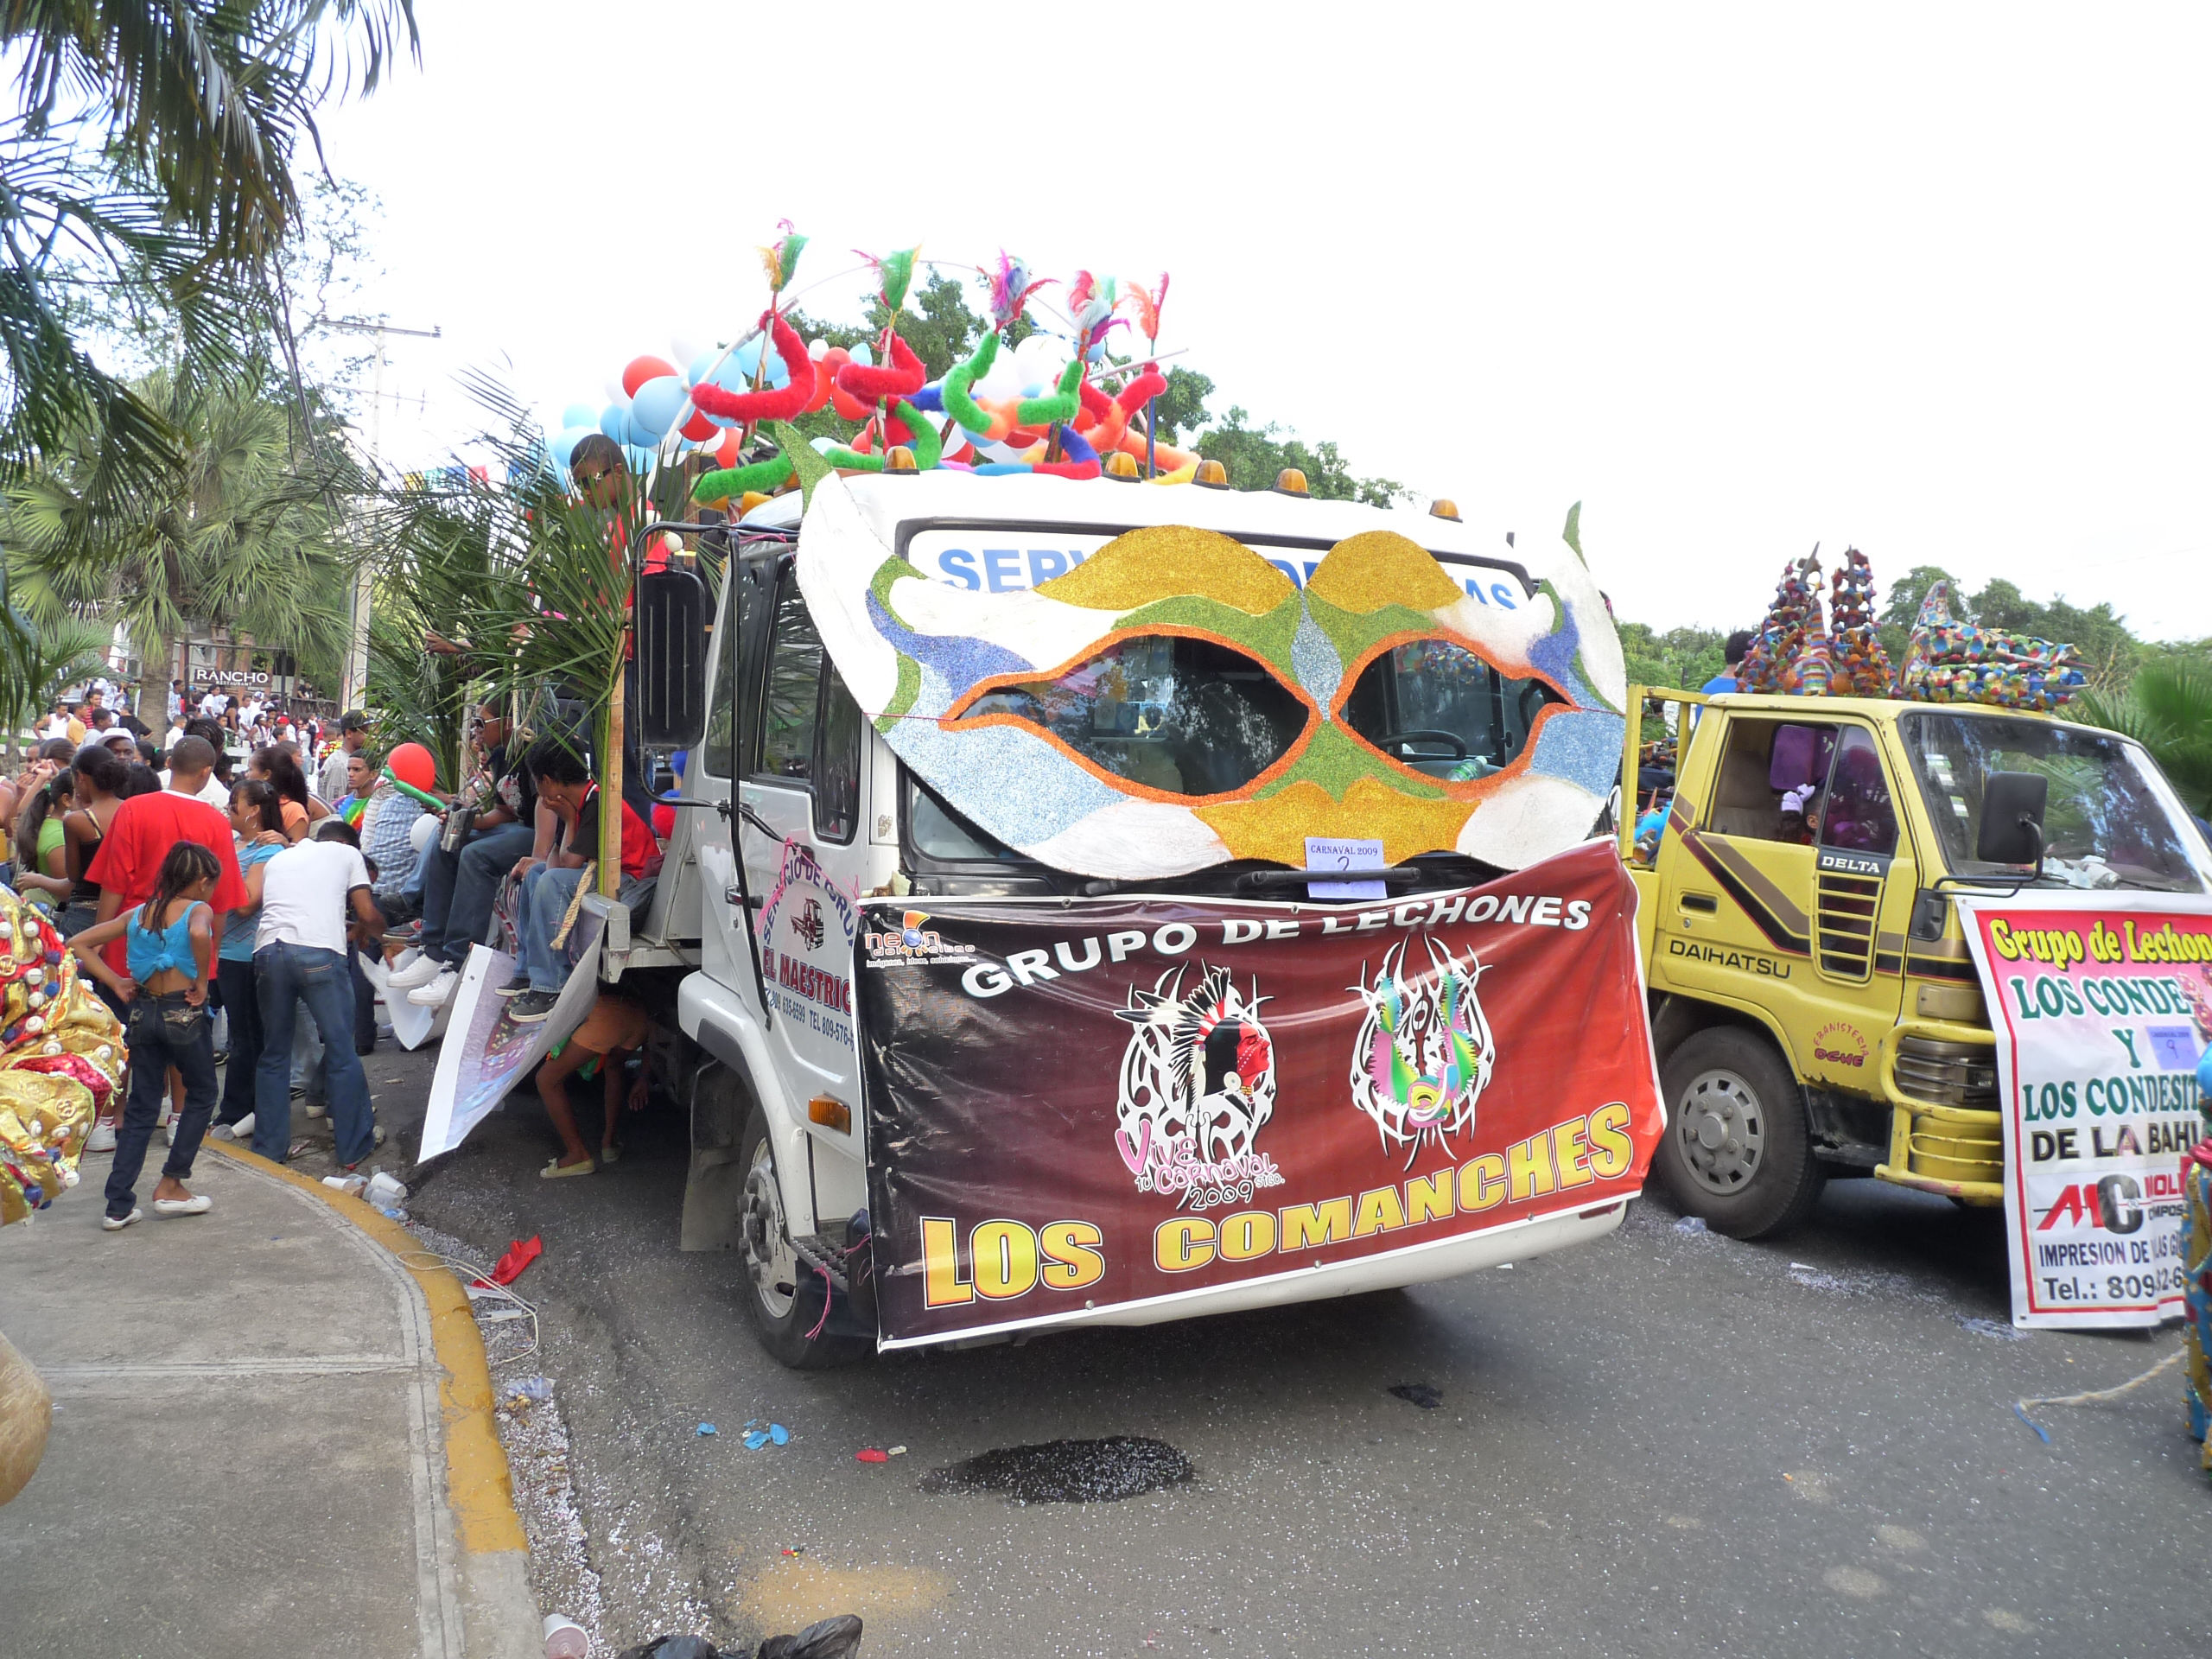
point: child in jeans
(171, 944)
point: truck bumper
(1956, 1151)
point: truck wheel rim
(769, 1261)
(1721, 1132)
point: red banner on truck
(1082, 1104)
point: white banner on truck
(2101, 1003)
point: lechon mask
(1176, 701)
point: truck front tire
(1738, 1147)
(785, 1299)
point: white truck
(1130, 727)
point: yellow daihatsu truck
(1814, 1008)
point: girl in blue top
(171, 941)
(257, 819)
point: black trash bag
(673, 1647)
(830, 1638)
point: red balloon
(411, 764)
(699, 428)
(727, 452)
(642, 369)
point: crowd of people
(221, 889)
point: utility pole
(357, 633)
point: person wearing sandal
(610, 1032)
(170, 945)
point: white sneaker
(315, 1108)
(102, 1138)
(419, 972)
(435, 993)
(241, 1130)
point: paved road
(1669, 1443)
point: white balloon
(424, 830)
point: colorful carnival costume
(1952, 661)
(61, 1057)
(1859, 667)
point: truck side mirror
(673, 613)
(2011, 818)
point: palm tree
(150, 158)
(38, 663)
(2168, 709)
(241, 535)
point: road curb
(494, 1553)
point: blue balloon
(614, 419)
(654, 405)
(746, 357)
(579, 414)
(864, 354)
(702, 365)
(564, 443)
(642, 459)
(637, 435)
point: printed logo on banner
(1424, 1053)
(911, 941)
(1197, 1086)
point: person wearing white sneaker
(171, 953)
(436, 992)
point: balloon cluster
(1769, 665)
(1027, 407)
(1953, 661)
(1861, 667)
(61, 1057)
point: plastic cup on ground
(565, 1638)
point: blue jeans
(163, 1032)
(459, 888)
(545, 895)
(284, 977)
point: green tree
(1182, 407)
(151, 155)
(2168, 709)
(1254, 456)
(241, 534)
(1679, 659)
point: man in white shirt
(212, 789)
(299, 956)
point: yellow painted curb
(478, 1484)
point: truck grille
(1843, 923)
(1947, 1074)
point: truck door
(722, 955)
(1788, 894)
(1863, 878)
(803, 870)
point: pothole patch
(1067, 1471)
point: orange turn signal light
(1211, 475)
(899, 459)
(830, 1113)
(1290, 481)
(1122, 465)
(1444, 508)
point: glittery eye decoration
(1177, 701)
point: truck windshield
(2109, 811)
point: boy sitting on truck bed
(566, 784)
(614, 1030)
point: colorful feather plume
(780, 257)
(1146, 306)
(1010, 287)
(894, 276)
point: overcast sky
(1932, 281)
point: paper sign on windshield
(2101, 1007)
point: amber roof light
(1122, 465)
(1290, 481)
(1444, 508)
(1211, 475)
